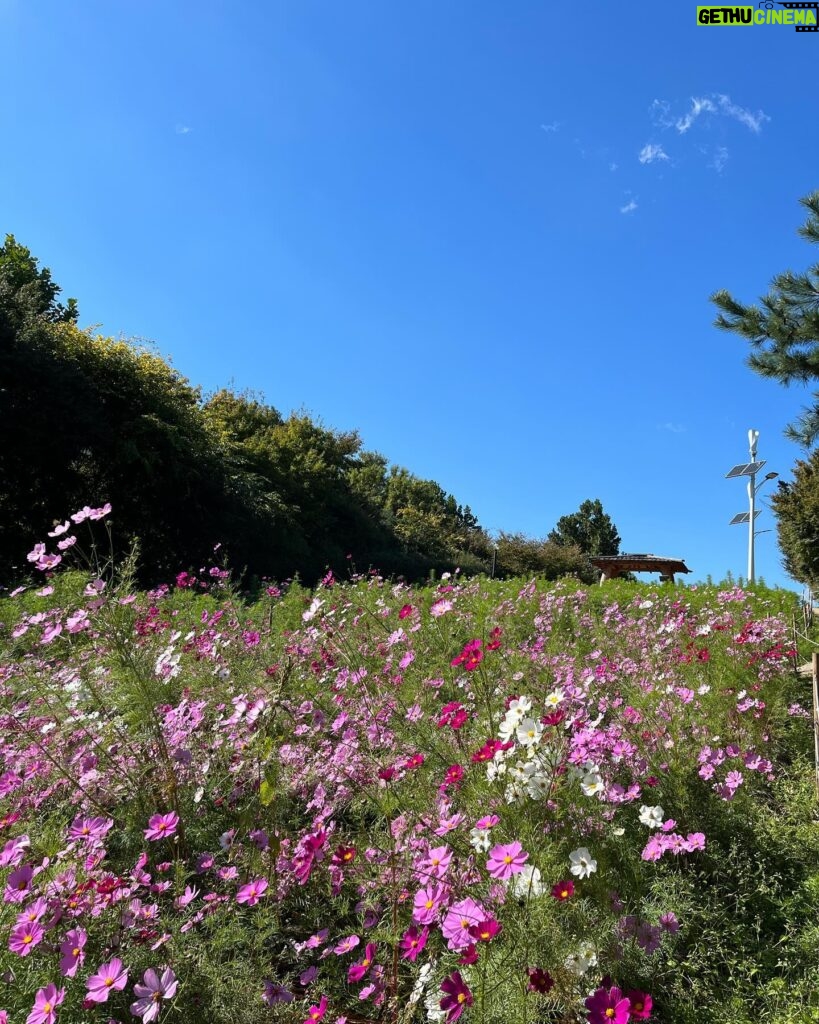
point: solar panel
(745, 469)
(743, 517)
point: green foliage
(783, 329)
(518, 555)
(590, 529)
(796, 505)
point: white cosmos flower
(651, 816)
(580, 962)
(520, 706)
(582, 862)
(529, 732)
(479, 839)
(592, 784)
(554, 698)
(527, 882)
(539, 786)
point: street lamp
(750, 469)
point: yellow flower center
(28, 938)
(638, 1007)
(109, 982)
(75, 951)
(564, 893)
(461, 997)
(47, 1008)
(507, 859)
(429, 904)
(610, 1013)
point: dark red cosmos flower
(641, 1003)
(540, 981)
(563, 891)
(405, 611)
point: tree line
(87, 418)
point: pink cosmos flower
(436, 862)
(412, 942)
(24, 937)
(252, 892)
(460, 917)
(346, 945)
(426, 903)
(161, 826)
(45, 1005)
(505, 860)
(456, 996)
(488, 821)
(18, 884)
(72, 953)
(608, 1006)
(113, 975)
(151, 992)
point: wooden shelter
(612, 566)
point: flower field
(479, 800)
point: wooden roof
(638, 563)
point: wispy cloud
(630, 207)
(715, 104)
(183, 129)
(552, 127)
(612, 166)
(752, 121)
(651, 152)
(720, 159)
(672, 428)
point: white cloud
(716, 103)
(183, 129)
(698, 106)
(752, 121)
(673, 428)
(630, 207)
(612, 166)
(651, 152)
(553, 127)
(720, 159)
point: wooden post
(815, 675)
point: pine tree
(589, 529)
(783, 329)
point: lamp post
(750, 469)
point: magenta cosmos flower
(45, 1006)
(505, 860)
(317, 1012)
(456, 996)
(113, 975)
(641, 1003)
(412, 942)
(251, 892)
(608, 1006)
(160, 826)
(151, 993)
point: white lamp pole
(753, 438)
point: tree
(796, 505)
(589, 529)
(783, 330)
(27, 292)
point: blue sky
(482, 234)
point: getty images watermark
(803, 16)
